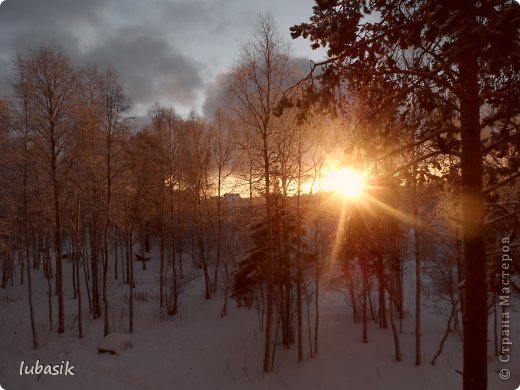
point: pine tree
(461, 59)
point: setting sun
(345, 181)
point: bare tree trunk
(460, 266)
(28, 262)
(219, 230)
(106, 329)
(175, 288)
(142, 246)
(94, 253)
(130, 254)
(299, 273)
(78, 286)
(74, 290)
(85, 269)
(395, 332)
(121, 248)
(204, 261)
(226, 291)
(29, 291)
(352, 293)
(372, 311)
(47, 270)
(172, 309)
(285, 265)
(48, 274)
(275, 340)
(365, 298)
(380, 270)
(128, 261)
(58, 250)
(26, 209)
(6, 264)
(77, 257)
(21, 261)
(116, 257)
(269, 277)
(179, 242)
(161, 270)
(179, 253)
(417, 253)
(309, 326)
(316, 303)
(446, 334)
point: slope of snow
(197, 349)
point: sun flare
(346, 182)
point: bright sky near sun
(345, 181)
(171, 51)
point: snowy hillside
(198, 349)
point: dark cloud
(163, 50)
(55, 11)
(26, 23)
(206, 20)
(130, 40)
(148, 66)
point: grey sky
(171, 51)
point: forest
(389, 172)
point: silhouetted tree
(256, 86)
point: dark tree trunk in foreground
(417, 254)
(474, 266)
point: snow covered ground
(197, 349)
